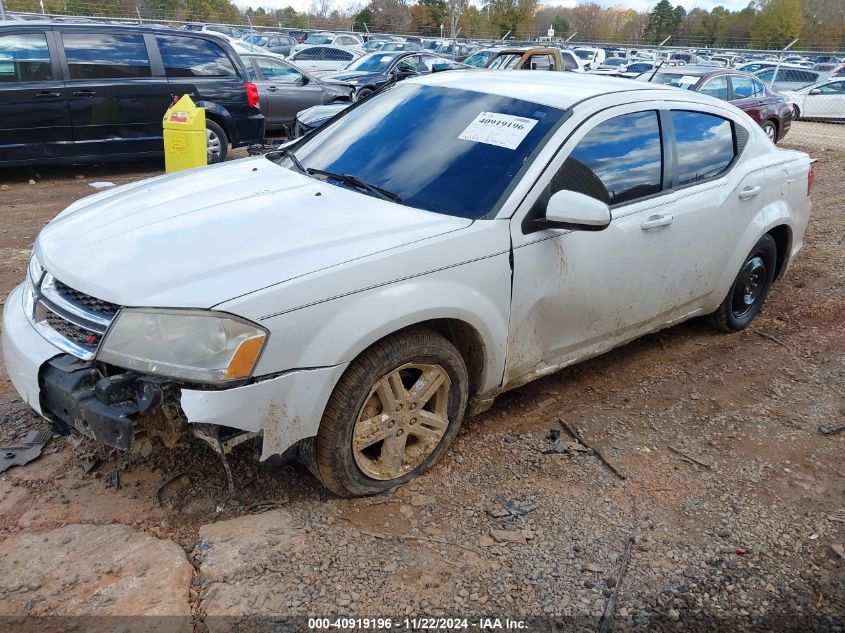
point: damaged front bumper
(123, 409)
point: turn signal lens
(245, 357)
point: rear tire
(217, 143)
(771, 130)
(750, 288)
(393, 413)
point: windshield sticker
(502, 130)
(688, 80)
(386, 58)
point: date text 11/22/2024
(416, 624)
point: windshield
(446, 48)
(258, 40)
(479, 59)
(319, 39)
(676, 80)
(439, 149)
(614, 61)
(372, 62)
(584, 54)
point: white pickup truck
(351, 298)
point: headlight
(35, 271)
(193, 345)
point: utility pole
(2, 11)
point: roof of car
(556, 89)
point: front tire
(363, 93)
(796, 112)
(216, 142)
(393, 413)
(750, 288)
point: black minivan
(88, 92)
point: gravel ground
(730, 516)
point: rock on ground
(95, 570)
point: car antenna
(656, 69)
(662, 61)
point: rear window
(106, 55)
(24, 57)
(705, 145)
(193, 57)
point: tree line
(818, 24)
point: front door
(116, 102)
(829, 102)
(34, 117)
(580, 293)
(284, 90)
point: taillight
(811, 177)
(252, 94)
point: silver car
(284, 90)
(790, 77)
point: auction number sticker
(502, 130)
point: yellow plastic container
(184, 136)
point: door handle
(48, 95)
(84, 93)
(749, 192)
(272, 88)
(655, 222)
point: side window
(309, 54)
(569, 62)
(759, 89)
(716, 87)
(705, 145)
(835, 88)
(193, 57)
(541, 62)
(336, 55)
(618, 161)
(24, 57)
(271, 69)
(106, 55)
(743, 87)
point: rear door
(116, 99)
(34, 116)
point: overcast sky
(640, 5)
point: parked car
(278, 43)
(324, 58)
(610, 65)
(352, 297)
(590, 57)
(229, 31)
(770, 110)
(300, 35)
(753, 67)
(789, 78)
(454, 50)
(341, 40)
(535, 58)
(89, 92)
(630, 70)
(374, 70)
(825, 100)
(284, 89)
(316, 116)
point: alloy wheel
(212, 146)
(402, 421)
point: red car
(770, 109)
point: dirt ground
(731, 513)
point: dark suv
(88, 92)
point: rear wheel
(771, 130)
(393, 413)
(749, 290)
(216, 142)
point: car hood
(320, 113)
(353, 76)
(201, 237)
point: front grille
(72, 331)
(72, 320)
(87, 301)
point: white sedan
(350, 298)
(824, 100)
(325, 58)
